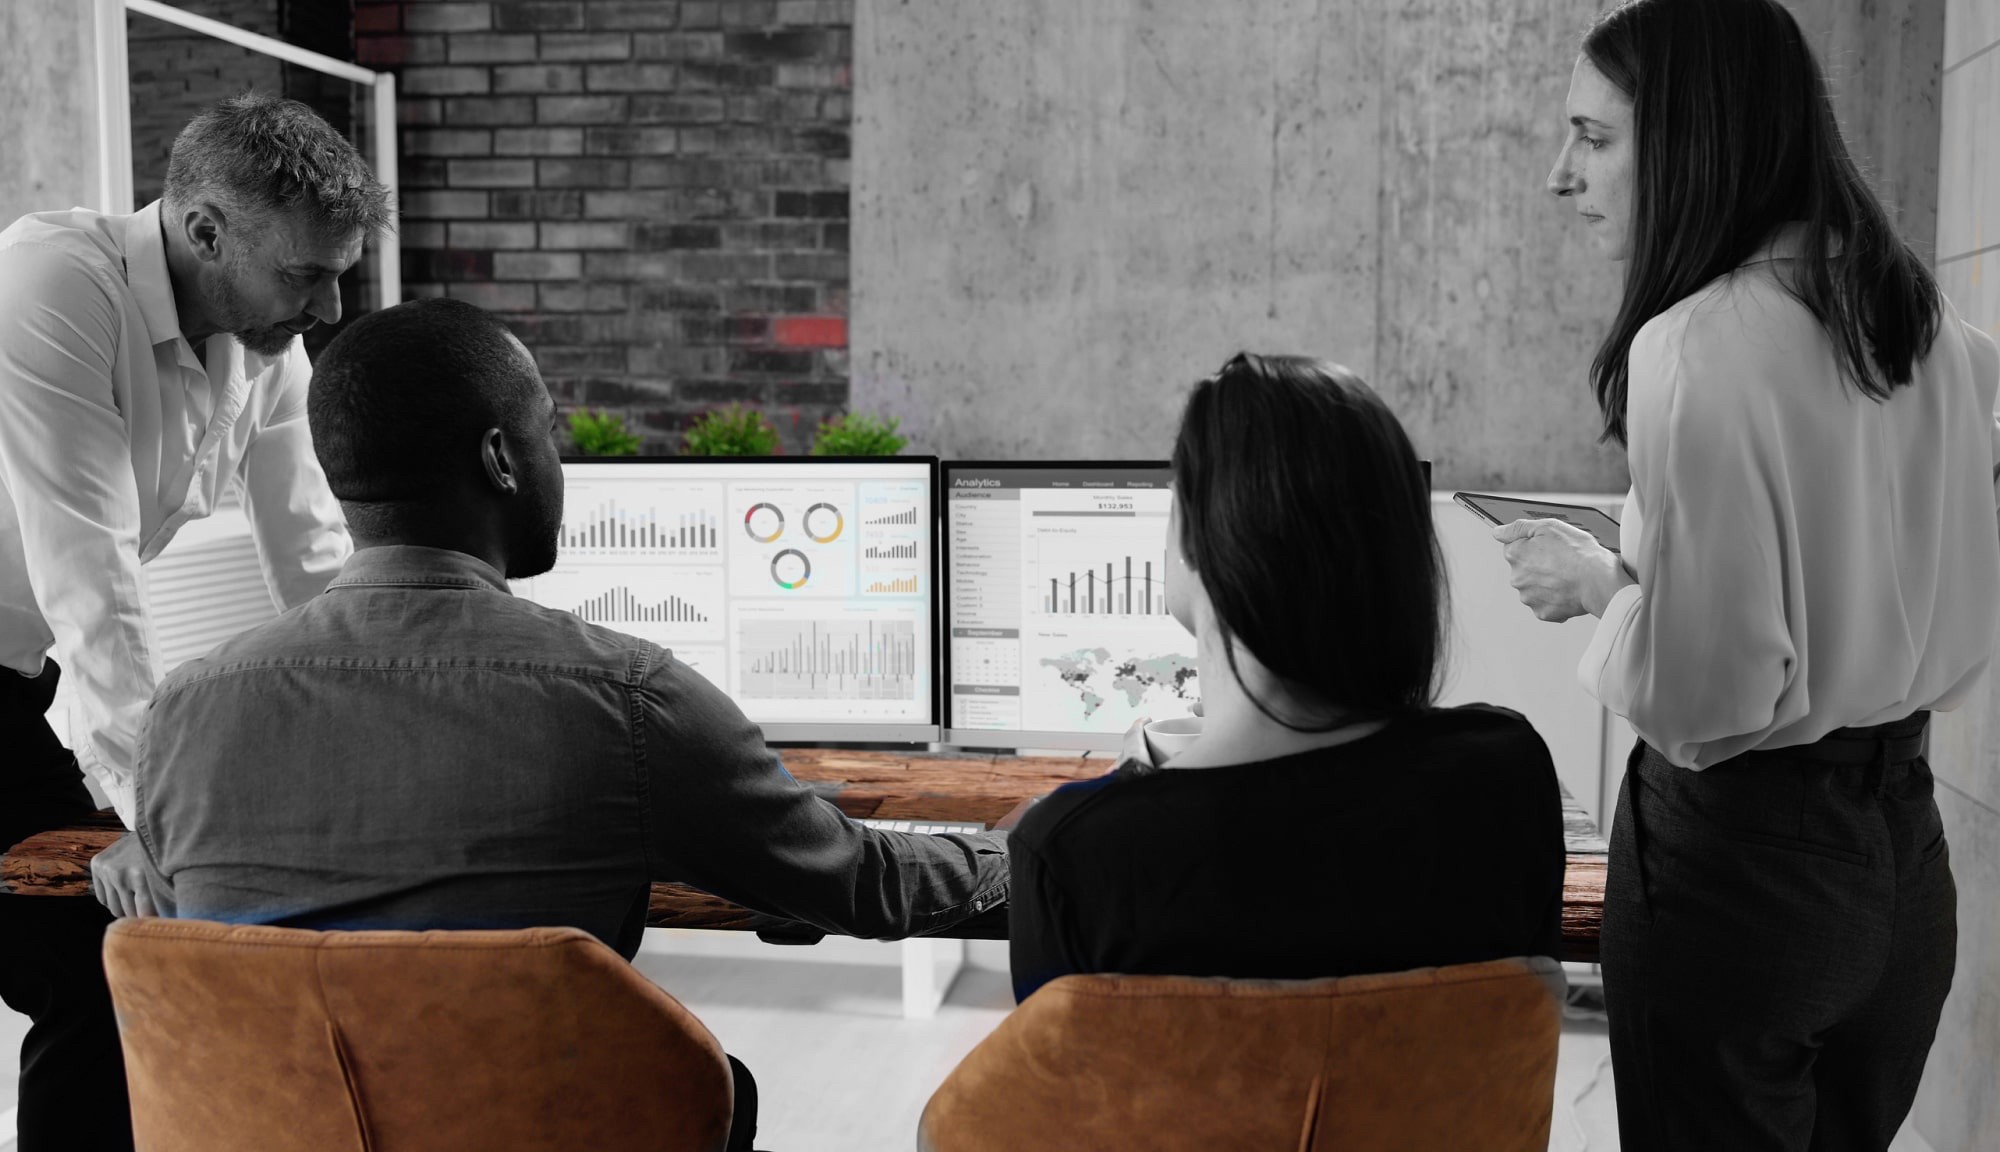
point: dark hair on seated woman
(1737, 137)
(1305, 513)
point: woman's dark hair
(1736, 137)
(1306, 513)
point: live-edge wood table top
(882, 785)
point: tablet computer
(1498, 510)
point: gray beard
(271, 340)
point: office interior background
(1024, 229)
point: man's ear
(498, 461)
(203, 225)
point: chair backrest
(1458, 1057)
(256, 1039)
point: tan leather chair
(254, 1039)
(1436, 1058)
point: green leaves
(601, 434)
(859, 435)
(731, 431)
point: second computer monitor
(1057, 632)
(802, 588)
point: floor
(840, 1070)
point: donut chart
(765, 516)
(790, 569)
(839, 523)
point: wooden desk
(883, 785)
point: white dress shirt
(112, 436)
(1807, 558)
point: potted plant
(601, 434)
(855, 434)
(731, 431)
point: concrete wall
(1958, 1109)
(1065, 213)
(47, 108)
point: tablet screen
(1507, 509)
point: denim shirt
(418, 748)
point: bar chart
(1122, 587)
(892, 552)
(618, 605)
(828, 659)
(670, 605)
(892, 586)
(608, 526)
(907, 517)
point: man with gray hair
(147, 361)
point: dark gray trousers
(51, 948)
(1779, 935)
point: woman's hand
(1135, 747)
(1559, 569)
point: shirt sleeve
(66, 460)
(1698, 655)
(725, 816)
(301, 536)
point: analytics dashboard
(802, 588)
(1058, 633)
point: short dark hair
(399, 400)
(1736, 137)
(255, 155)
(1305, 512)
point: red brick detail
(809, 331)
(377, 17)
(654, 192)
(379, 51)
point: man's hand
(1559, 569)
(121, 888)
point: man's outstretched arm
(725, 816)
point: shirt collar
(409, 564)
(146, 273)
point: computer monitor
(801, 587)
(1057, 632)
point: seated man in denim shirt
(417, 748)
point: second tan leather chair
(1454, 1058)
(254, 1039)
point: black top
(1436, 840)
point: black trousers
(52, 948)
(1779, 935)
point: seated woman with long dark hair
(1330, 820)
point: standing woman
(1809, 566)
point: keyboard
(932, 827)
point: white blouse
(1807, 558)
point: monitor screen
(1057, 628)
(801, 587)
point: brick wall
(177, 73)
(652, 193)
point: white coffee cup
(1166, 739)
